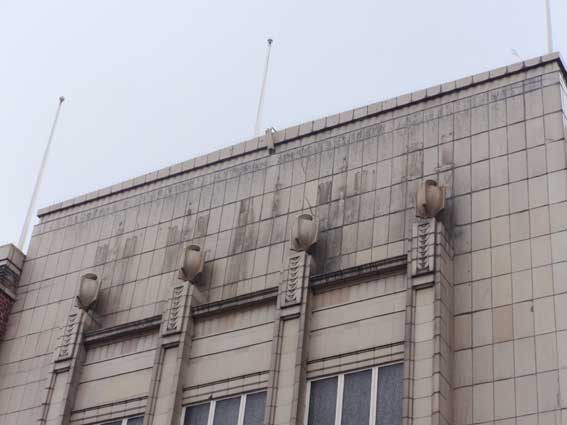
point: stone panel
(495, 141)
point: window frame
(123, 421)
(213, 403)
(340, 392)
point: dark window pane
(113, 423)
(226, 411)
(136, 421)
(254, 409)
(356, 398)
(323, 402)
(389, 408)
(197, 415)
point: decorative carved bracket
(423, 246)
(293, 279)
(173, 321)
(68, 339)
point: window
(247, 409)
(367, 397)
(138, 420)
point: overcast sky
(152, 83)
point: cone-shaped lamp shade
(305, 233)
(430, 199)
(88, 291)
(193, 263)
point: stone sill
(217, 307)
(356, 274)
(104, 335)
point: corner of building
(11, 265)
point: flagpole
(25, 228)
(548, 27)
(257, 128)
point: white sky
(152, 83)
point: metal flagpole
(25, 228)
(257, 129)
(548, 26)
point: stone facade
(11, 264)
(456, 319)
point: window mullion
(211, 412)
(339, 406)
(241, 410)
(373, 395)
(307, 396)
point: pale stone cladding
(472, 303)
(11, 264)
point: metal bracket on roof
(269, 138)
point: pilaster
(285, 402)
(65, 370)
(428, 326)
(164, 405)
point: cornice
(308, 128)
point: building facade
(400, 263)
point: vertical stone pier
(429, 325)
(11, 264)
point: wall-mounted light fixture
(193, 264)
(304, 233)
(430, 199)
(88, 292)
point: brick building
(214, 307)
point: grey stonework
(11, 264)
(473, 302)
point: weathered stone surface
(478, 319)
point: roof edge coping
(307, 128)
